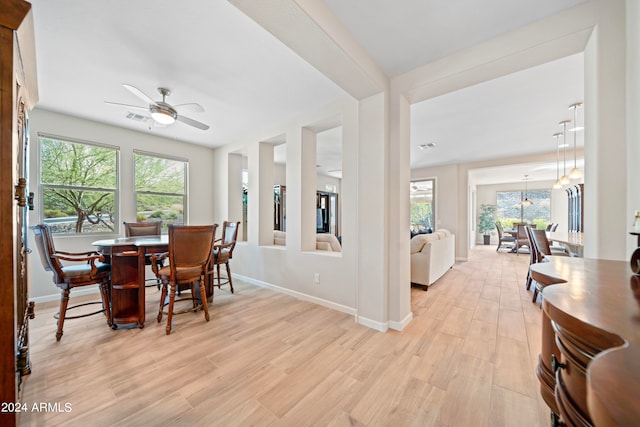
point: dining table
(127, 287)
(573, 241)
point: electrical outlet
(316, 278)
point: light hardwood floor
(467, 359)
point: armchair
(88, 269)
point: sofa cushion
(323, 246)
(443, 233)
(417, 243)
(279, 238)
(328, 242)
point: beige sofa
(324, 242)
(432, 255)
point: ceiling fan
(162, 112)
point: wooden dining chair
(79, 269)
(151, 228)
(534, 255)
(542, 248)
(504, 240)
(223, 251)
(190, 252)
(521, 238)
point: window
(510, 208)
(422, 206)
(161, 189)
(78, 185)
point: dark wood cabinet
(18, 95)
(127, 287)
(588, 366)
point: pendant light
(557, 185)
(575, 173)
(564, 180)
(526, 201)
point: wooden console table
(589, 366)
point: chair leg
(529, 281)
(172, 298)
(104, 291)
(229, 276)
(218, 268)
(203, 299)
(535, 295)
(159, 265)
(194, 305)
(64, 302)
(163, 295)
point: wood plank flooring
(267, 359)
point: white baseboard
(296, 294)
(74, 292)
(398, 326)
(373, 324)
(369, 323)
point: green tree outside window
(79, 184)
(160, 189)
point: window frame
(43, 186)
(528, 193)
(433, 180)
(185, 196)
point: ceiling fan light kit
(162, 114)
(161, 111)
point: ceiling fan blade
(140, 94)
(191, 107)
(117, 104)
(191, 122)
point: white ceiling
(506, 117)
(206, 51)
(401, 36)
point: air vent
(136, 117)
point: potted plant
(486, 222)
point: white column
(398, 160)
(308, 176)
(373, 250)
(234, 188)
(606, 218)
(633, 112)
(265, 193)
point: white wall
(633, 113)
(291, 269)
(279, 174)
(201, 175)
(446, 194)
